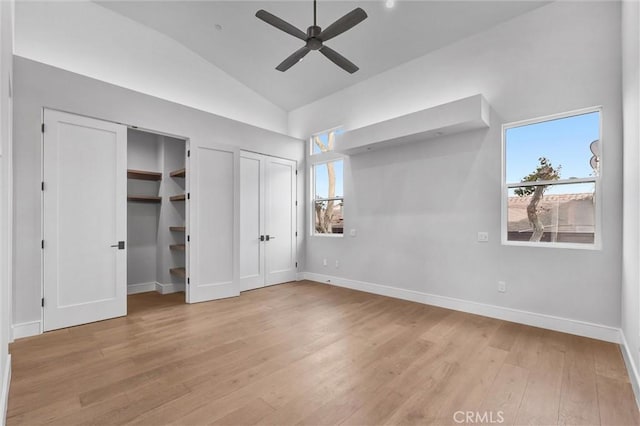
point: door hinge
(188, 280)
(42, 186)
(296, 264)
(42, 244)
(296, 173)
(188, 195)
(42, 302)
(296, 233)
(296, 202)
(188, 237)
(189, 153)
(42, 127)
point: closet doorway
(267, 220)
(156, 213)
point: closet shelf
(178, 272)
(144, 198)
(143, 175)
(178, 247)
(179, 173)
(180, 197)
(177, 228)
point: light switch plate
(483, 237)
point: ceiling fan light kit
(315, 37)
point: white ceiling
(249, 49)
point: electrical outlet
(324, 262)
(337, 264)
(352, 232)
(502, 286)
(483, 237)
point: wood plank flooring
(308, 353)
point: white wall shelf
(463, 115)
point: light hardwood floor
(307, 353)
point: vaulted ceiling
(228, 35)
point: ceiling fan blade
(343, 24)
(339, 60)
(293, 59)
(280, 24)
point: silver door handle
(271, 237)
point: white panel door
(280, 221)
(85, 213)
(267, 221)
(251, 221)
(213, 263)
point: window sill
(571, 246)
(327, 235)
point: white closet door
(280, 221)
(85, 213)
(251, 221)
(213, 265)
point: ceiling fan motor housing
(313, 42)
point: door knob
(120, 245)
(261, 238)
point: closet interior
(156, 213)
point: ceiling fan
(315, 37)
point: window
(325, 141)
(328, 200)
(551, 176)
(327, 187)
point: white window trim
(313, 160)
(597, 243)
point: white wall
(88, 39)
(417, 208)
(6, 65)
(38, 85)
(631, 230)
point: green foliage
(544, 171)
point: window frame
(311, 145)
(596, 180)
(312, 161)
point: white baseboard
(6, 382)
(141, 288)
(26, 329)
(565, 325)
(169, 288)
(632, 369)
